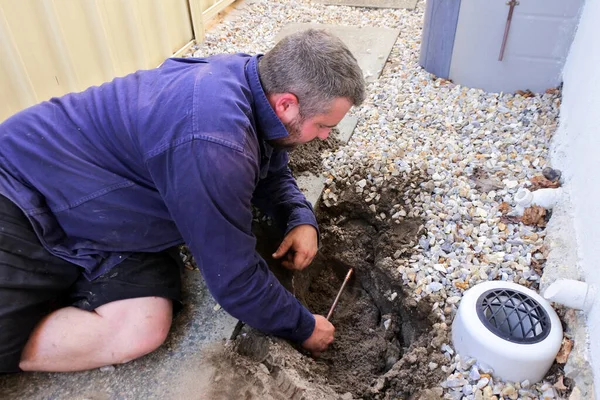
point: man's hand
(321, 337)
(299, 247)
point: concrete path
(370, 45)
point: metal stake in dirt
(337, 298)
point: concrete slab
(408, 4)
(346, 127)
(370, 45)
(311, 186)
(177, 370)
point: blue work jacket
(161, 157)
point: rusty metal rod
(337, 298)
(512, 4)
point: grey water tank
(462, 41)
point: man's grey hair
(317, 67)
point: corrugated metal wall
(52, 47)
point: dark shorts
(34, 283)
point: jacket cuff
(305, 326)
(302, 216)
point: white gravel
(477, 149)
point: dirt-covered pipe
(546, 198)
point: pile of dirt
(307, 157)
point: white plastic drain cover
(508, 327)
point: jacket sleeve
(208, 187)
(278, 196)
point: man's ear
(285, 105)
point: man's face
(303, 130)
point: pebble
(474, 375)
(483, 382)
(387, 324)
(462, 150)
(435, 286)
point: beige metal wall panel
(210, 8)
(52, 47)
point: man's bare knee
(139, 326)
(71, 339)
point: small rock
(509, 391)
(474, 374)
(483, 382)
(387, 324)
(487, 393)
(468, 363)
(435, 286)
(107, 368)
(440, 268)
(551, 174)
(346, 396)
(447, 349)
(455, 382)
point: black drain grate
(513, 316)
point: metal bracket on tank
(512, 4)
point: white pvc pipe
(546, 198)
(571, 293)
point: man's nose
(324, 134)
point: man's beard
(290, 142)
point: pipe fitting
(571, 293)
(546, 198)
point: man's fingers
(283, 248)
(300, 260)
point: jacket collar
(267, 122)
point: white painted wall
(576, 151)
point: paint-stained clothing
(160, 157)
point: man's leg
(122, 315)
(71, 339)
(31, 283)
